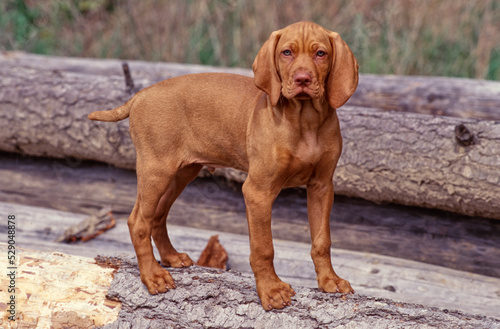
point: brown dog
(282, 128)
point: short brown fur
(281, 127)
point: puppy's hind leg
(153, 181)
(170, 256)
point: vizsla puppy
(281, 127)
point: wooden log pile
(447, 162)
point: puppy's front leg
(273, 293)
(319, 205)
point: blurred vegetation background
(427, 37)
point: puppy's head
(304, 61)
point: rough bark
(465, 98)
(62, 291)
(388, 156)
(44, 113)
(417, 160)
(207, 298)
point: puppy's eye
(287, 52)
(320, 53)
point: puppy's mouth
(302, 95)
(301, 92)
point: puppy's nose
(302, 79)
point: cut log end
(54, 290)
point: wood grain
(55, 290)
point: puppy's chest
(302, 161)
(305, 153)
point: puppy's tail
(117, 114)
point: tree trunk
(440, 162)
(463, 98)
(457, 97)
(108, 292)
(421, 160)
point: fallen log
(208, 298)
(457, 97)
(420, 160)
(58, 290)
(439, 162)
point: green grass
(446, 38)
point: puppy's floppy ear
(264, 69)
(343, 77)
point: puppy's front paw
(335, 284)
(275, 295)
(157, 280)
